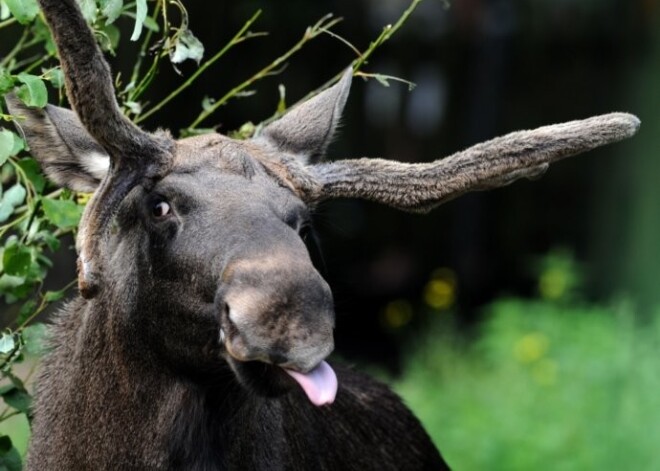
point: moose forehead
(222, 167)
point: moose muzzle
(280, 312)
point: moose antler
(135, 155)
(421, 187)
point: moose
(200, 334)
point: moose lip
(319, 384)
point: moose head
(195, 247)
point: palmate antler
(421, 187)
(135, 155)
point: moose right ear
(308, 129)
(67, 153)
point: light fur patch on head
(96, 163)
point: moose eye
(160, 209)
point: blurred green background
(521, 325)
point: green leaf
(34, 337)
(281, 104)
(19, 145)
(15, 196)
(207, 103)
(6, 81)
(111, 9)
(5, 444)
(110, 38)
(50, 240)
(17, 260)
(19, 400)
(23, 10)
(10, 458)
(11, 461)
(8, 282)
(151, 24)
(52, 296)
(33, 173)
(7, 343)
(26, 311)
(12, 198)
(88, 8)
(140, 17)
(6, 145)
(55, 76)
(6, 210)
(4, 11)
(134, 106)
(382, 79)
(65, 214)
(187, 46)
(33, 91)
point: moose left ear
(308, 129)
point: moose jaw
(200, 310)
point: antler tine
(421, 187)
(90, 90)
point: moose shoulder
(200, 336)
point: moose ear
(308, 129)
(58, 140)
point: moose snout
(280, 314)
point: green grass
(544, 386)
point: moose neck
(112, 383)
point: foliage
(34, 216)
(547, 384)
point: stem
(43, 304)
(142, 54)
(270, 69)
(386, 34)
(238, 38)
(33, 61)
(8, 22)
(6, 415)
(17, 48)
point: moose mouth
(319, 384)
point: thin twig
(238, 38)
(143, 51)
(17, 48)
(8, 22)
(386, 34)
(312, 32)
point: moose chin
(200, 337)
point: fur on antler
(421, 187)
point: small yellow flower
(440, 291)
(531, 347)
(397, 314)
(83, 198)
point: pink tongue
(320, 384)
